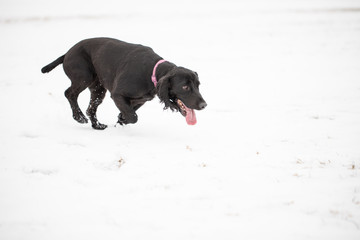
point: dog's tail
(53, 65)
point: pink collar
(153, 77)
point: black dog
(130, 73)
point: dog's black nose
(202, 105)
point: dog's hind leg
(72, 94)
(80, 80)
(97, 96)
(82, 75)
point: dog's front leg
(127, 113)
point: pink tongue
(190, 116)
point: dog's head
(179, 91)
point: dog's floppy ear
(163, 90)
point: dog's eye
(186, 88)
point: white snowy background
(275, 155)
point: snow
(275, 155)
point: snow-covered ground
(276, 154)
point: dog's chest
(146, 97)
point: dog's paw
(130, 118)
(80, 118)
(121, 120)
(99, 126)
